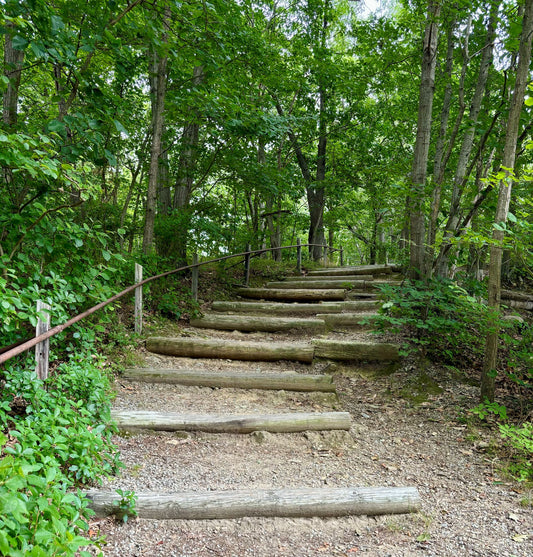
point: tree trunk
(461, 175)
(13, 60)
(439, 164)
(488, 374)
(158, 79)
(417, 250)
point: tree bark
(488, 374)
(417, 252)
(158, 80)
(467, 143)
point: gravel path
(466, 509)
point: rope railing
(22, 347)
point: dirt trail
(405, 432)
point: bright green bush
(440, 318)
(60, 440)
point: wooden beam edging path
(297, 308)
(233, 350)
(234, 380)
(285, 503)
(292, 422)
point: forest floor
(409, 428)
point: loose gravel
(401, 436)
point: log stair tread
(290, 422)
(252, 323)
(294, 307)
(296, 503)
(246, 380)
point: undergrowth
(56, 438)
(446, 323)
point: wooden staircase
(319, 323)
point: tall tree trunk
(417, 253)
(488, 374)
(158, 80)
(461, 174)
(13, 60)
(440, 163)
(185, 177)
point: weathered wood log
(319, 284)
(295, 503)
(356, 270)
(518, 304)
(349, 278)
(349, 350)
(233, 423)
(296, 308)
(233, 350)
(355, 294)
(235, 380)
(301, 294)
(348, 320)
(517, 296)
(252, 323)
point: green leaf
(121, 128)
(56, 126)
(106, 255)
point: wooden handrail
(7, 355)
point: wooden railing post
(247, 266)
(298, 255)
(195, 273)
(42, 350)
(325, 256)
(138, 299)
(342, 256)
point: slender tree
(488, 375)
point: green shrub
(59, 441)
(441, 319)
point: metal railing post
(298, 255)
(325, 256)
(342, 256)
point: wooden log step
(518, 304)
(516, 295)
(320, 284)
(297, 308)
(300, 294)
(349, 278)
(355, 270)
(349, 350)
(283, 503)
(235, 380)
(251, 323)
(348, 320)
(233, 350)
(292, 422)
